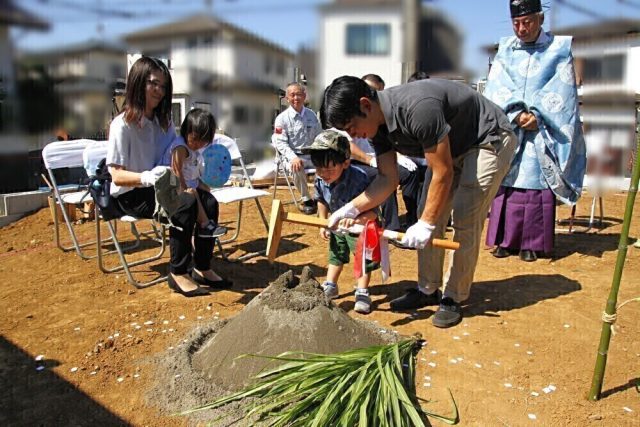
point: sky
(290, 23)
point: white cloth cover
(92, 154)
(64, 154)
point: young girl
(196, 133)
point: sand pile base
(290, 315)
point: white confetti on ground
(508, 385)
(148, 322)
(92, 373)
(177, 375)
(466, 334)
(477, 365)
(170, 347)
(535, 394)
(165, 322)
(529, 353)
(39, 368)
(434, 352)
(495, 362)
(181, 317)
(199, 317)
(423, 359)
(454, 361)
(427, 384)
(39, 358)
(566, 325)
(552, 387)
(136, 375)
(120, 379)
(117, 334)
(532, 416)
(427, 377)
(138, 327)
(460, 359)
(217, 313)
(77, 328)
(74, 369)
(456, 338)
(432, 364)
(627, 409)
(516, 345)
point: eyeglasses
(156, 85)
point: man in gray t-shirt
(468, 145)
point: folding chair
(58, 155)
(281, 171)
(91, 157)
(241, 189)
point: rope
(611, 318)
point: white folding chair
(238, 190)
(282, 171)
(58, 155)
(91, 157)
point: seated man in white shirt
(294, 129)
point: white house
(220, 67)
(86, 75)
(391, 38)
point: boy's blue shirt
(351, 183)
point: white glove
(149, 178)
(407, 163)
(418, 235)
(373, 162)
(347, 211)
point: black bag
(100, 190)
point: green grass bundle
(373, 386)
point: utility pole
(411, 14)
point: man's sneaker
(415, 299)
(363, 302)
(449, 314)
(330, 290)
(308, 207)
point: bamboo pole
(610, 310)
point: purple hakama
(522, 220)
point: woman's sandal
(217, 284)
(192, 293)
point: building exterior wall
(335, 61)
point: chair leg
(124, 264)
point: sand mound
(290, 315)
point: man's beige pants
(477, 177)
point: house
(225, 69)
(18, 170)
(392, 38)
(85, 76)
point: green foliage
(373, 386)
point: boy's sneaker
(363, 302)
(330, 290)
(414, 299)
(449, 314)
(211, 230)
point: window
(280, 66)
(609, 69)
(192, 42)
(240, 114)
(257, 115)
(267, 64)
(368, 39)
(176, 114)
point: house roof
(91, 45)
(10, 14)
(342, 4)
(197, 25)
(603, 29)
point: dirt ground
(78, 347)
